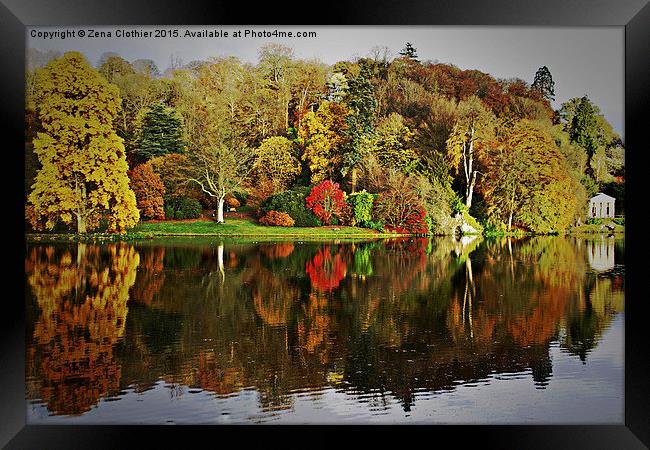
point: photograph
(324, 225)
(375, 221)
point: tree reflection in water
(382, 318)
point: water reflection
(382, 319)
(601, 253)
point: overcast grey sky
(582, 60)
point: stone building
(601, 206)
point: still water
(201, 331)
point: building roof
(601, 196)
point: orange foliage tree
(149, 191)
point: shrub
(361, 205)
(401, 211)
(346, 216)
(619, 220)
(181, 208)
(293, 203)
(594, 221)
(277, 219)
(379, 226)
(326, 200)
(232, 202)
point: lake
(408, 330)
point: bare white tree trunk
(220, 209)
(470, 173)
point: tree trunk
(354, 180)
(81, 225)
(512, 208)
(220, 209)
(470, 191)
(470, 173)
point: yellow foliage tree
(324, 134)
(84, 170)
(276, 162)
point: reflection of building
(601, 205)
(601, 254)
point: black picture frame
(634, 15)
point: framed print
(414, 216)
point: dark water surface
(197, 331)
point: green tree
(138, 91)
(84, 170)
(409, 51)
(361, 102)
(589, 129)
(544, 83)
(161, 133)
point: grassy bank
(245, 228)
(597, 229)
(231, 228)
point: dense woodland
(393, 144)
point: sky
(582, 60)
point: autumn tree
(326, 200)
(221, 159)
(527, 181)
(84, 170)
(474, 127)
(172, 168)
(307, 88)
(324, 134)
(393, 145)
(276, 65)
(398, 206)
(276, 163)
(149, 191)
(115, 65)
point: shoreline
(246, 229)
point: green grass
(233, 228)
(242, 227)
(592, 229)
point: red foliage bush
(326, 201)
(262, 189)
(277, 219)
(401, 211)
